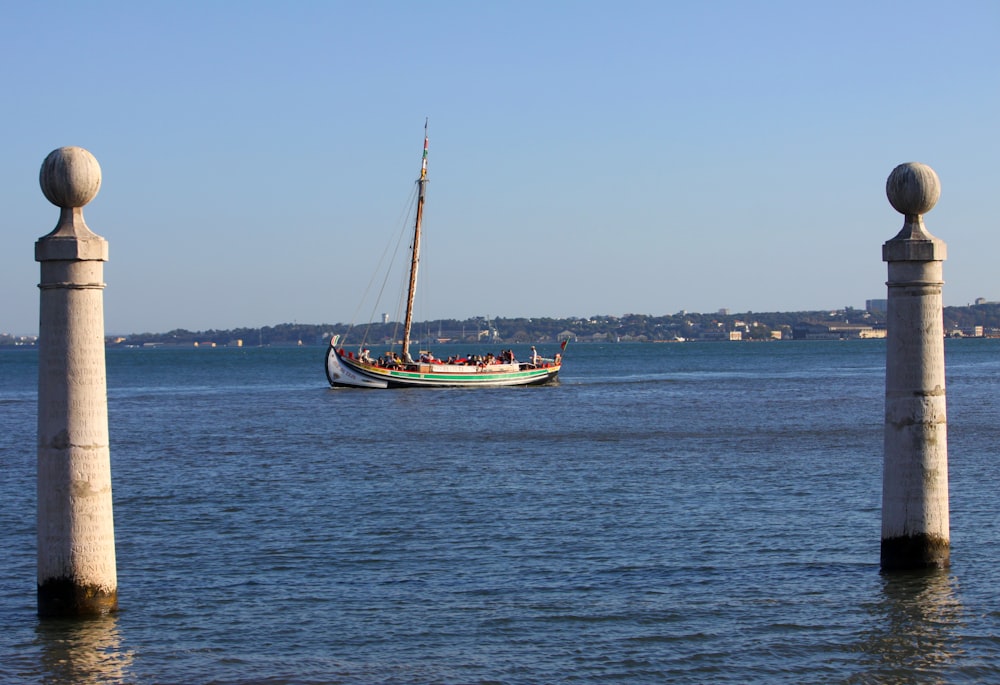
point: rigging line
(406, 212)
(381, 263)
(404, 279)
(427, 279)
(403, 232)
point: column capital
(70, 177)
(913, 189)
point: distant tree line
(597, 328)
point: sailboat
(349, 369)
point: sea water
(691, 513)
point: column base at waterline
(915, 552)
(66, 598)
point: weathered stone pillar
(76, 542)
(915, 532)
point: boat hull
(343, 371)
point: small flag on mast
(423, 165)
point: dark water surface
(691, 513)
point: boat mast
(415, 258)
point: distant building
(810, 330)
(881, 306)
(973, 332)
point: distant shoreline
(979, 320)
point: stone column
(76, 542)
(915, 532)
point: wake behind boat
(360, 370)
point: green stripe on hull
(473, 378)
(512, 379)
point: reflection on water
(83, 651)
(914, 629)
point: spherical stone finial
(913, 188)
(70, 177)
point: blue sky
(586, 158)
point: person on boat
(534, 356)
(365, 356)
